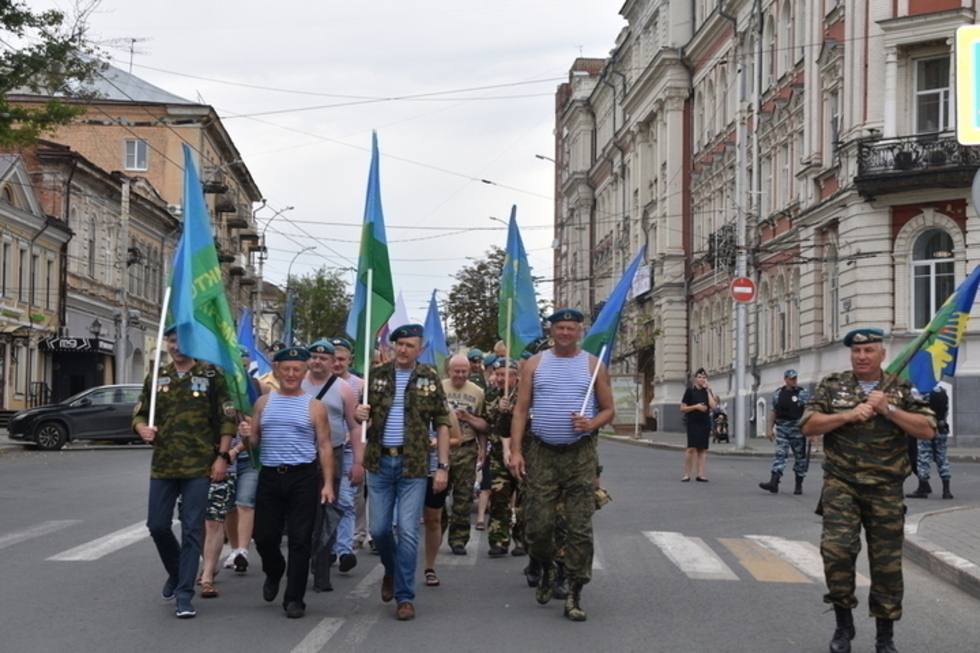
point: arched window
(92, 249)
(933, 278)
(722, 110)
(698, 120)
(768, 50)
(786, 39)
(710, 111)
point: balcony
(914, 163)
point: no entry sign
(742, 289)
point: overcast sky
(459, 92)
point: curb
(954, 569)
(650, 444)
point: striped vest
(288, 436)
(559, 387)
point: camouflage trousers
(555, 475)
(462, 477)
(503, 487)
(787, 438)
(880, 509)
(933, 451)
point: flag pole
(156, 357)
(369, 349)
(595, 374)
(510, 338)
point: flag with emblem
(601, 337)
(932, 355)
(374, 293)
(518, 323)
(198, 304)
(436, 350)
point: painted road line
(802, 555)
(691, 555)
(319, 636)
(43, 528)
(370, 583)
(105, 545)
(448, 558)
(596, 555)
(762, 563)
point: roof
(116, 84)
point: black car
(103, 413)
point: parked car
(102, 413)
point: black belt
(392, 451)
(563, 447)
(286, 469)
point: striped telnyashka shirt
(288, 436)
(559, 387)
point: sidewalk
(945, 542)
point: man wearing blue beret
(864, 426)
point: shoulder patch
(228, 408)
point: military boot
(532, 572)
(560, 588)
(772, 485)
(883, 638)
(573, 610)
(546, 584)
(946, 493)
(922, 492)
(799, 485)
(841, 643)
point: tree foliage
(472, 306)
(321, 305)
(43, 53)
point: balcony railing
(914, 162)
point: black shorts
(433, 500)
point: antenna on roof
(127, 44)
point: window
(932, 275)
(932, 95)
(49, 285)
(35, 271)
(136, 154)
(91, 248)
(22, 281)
(5, 270)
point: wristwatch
(444, 466)
(225, 455)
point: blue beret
(505, 362)
(321, 347)
(474, 354)
(863, 337)
(489, 359)
(342, 342)
(526, 354)
(245, 351)
(291, 354)
(538, 346)
(407, 331)
(170, 329)
(566, 315)
(277, 345)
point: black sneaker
(241, 563)
(185, 610)
(270, 588)
(168, 589)
(497, 551)
(459, 549)
(347, 562)
(295, 610)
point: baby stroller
(719, 428)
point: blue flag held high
(436, 350)
(246, 339)
(198, 304)
(603, 331)
(518, 322)
(931, 356)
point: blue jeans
(180, 560)
(398, 555)
(345, 501)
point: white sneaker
(230, 560)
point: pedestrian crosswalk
(750, 557)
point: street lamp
(288, 326)
(499, 220)
(257, 310)
(219, 169)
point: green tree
(321, 305)
(472, 306)
(44, 53)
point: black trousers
(291, 497)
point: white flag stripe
(802, 555)
(319, 636)
(691, 555)
(105, 545)
(43, 528)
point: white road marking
(105, 545)
(319, 636)
(691, 555)
(43, 528)
(370, 583)
(446, 557)
(596, 555)
(359, 631)
(802, 555)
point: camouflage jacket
(189, 411)
(425, 405)
(499, 421)
(872, 452)
(479, 380)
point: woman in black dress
(697, 404)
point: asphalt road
(697, 567)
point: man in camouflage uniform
(404, 399)
(467, 401)
(562, 458)
(195, 422)
(475, 357)
(787, 408)
(500, 405)
(865, 465)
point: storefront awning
(79, 345)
